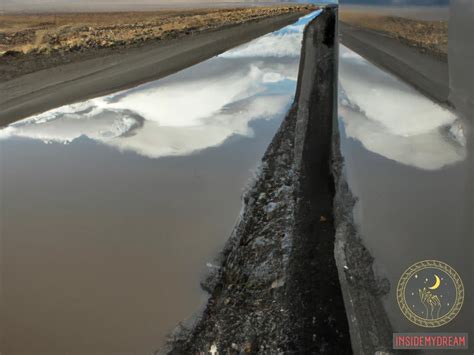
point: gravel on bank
(275, 287)
(32, 42)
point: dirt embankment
(33, 42)
(426, 73)
(427, 36)
(122, 68)
(275, 288)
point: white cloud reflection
(154, 140)
(198, 108)
(391, 119)
(283, 43)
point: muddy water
(406, 163)
(112, 207)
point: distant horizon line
(57, 6)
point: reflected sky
(112, 207)
(392, 119)
(198, 108)
(405, 162)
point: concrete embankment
(426, 73)
(275, 287)
(65, 84)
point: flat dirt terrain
(427, 36)
(35, 82)
(33, 42)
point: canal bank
(77, 81)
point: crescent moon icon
(436, 284)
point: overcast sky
(119, 5)
(127, 5)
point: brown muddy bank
(430, 37)
(427, 73)
(275, 287)
(32, 42)
(121, 68)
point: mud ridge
(276, 286)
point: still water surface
(406, 163)
(112, 207)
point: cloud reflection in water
(195, 109)
(391, 119)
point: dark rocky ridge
(276, 288)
